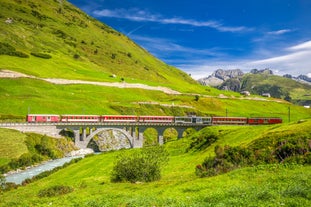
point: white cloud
(144, 16)
(160, 46)
(280, 32)
(302, 46)
(297, 61)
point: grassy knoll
(263, 185)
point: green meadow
(51, 40)
(262, 185)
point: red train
(53, 118)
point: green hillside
(56, 39)
(261, 185)
(42, 41)
(19, 96)
(278, 87)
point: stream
(19, 177)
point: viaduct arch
(132, 131)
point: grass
(85, 49)
(23, 95)
(71, 38)
(297, 91)
(11, 145)
(80, 47)
(264, 185)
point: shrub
(76, 56)
(268, 150)
(10, 186)
(56, 190)
(7, 49)
(203, 140)
(41, 55)
(141, 166)
(196, 97)
(19, 54)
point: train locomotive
(212, 120)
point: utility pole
(289, 114)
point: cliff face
(301, 78)
(220, 76)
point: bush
(41, 55)
(6, 49)
(201, 140)
(268, 150)
(141, 166)
(56, 190)
(76, 56)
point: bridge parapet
(133, 131)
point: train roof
(263, 117)
(119, 115)
(42, 115)
(78, 115)
(230, 117)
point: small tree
(196, 97)
(141, 166)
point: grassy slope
(63, 31)
(12, 145)
(17, 96)
(269, 185)
(297, 91)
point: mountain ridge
(262, 82)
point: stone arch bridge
(84, 132)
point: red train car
(118, 118)
(264, 120)
(157, 119)
(80, 118)
(42, 118)
(229, 120)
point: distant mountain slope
(261, 82)
(53, 38)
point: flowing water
(19, 177)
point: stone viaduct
(85, 132)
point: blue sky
(201, 36)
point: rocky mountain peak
(220, 76)
(301, 78)
(263, 71)
(227, 74)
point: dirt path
(13, 74)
